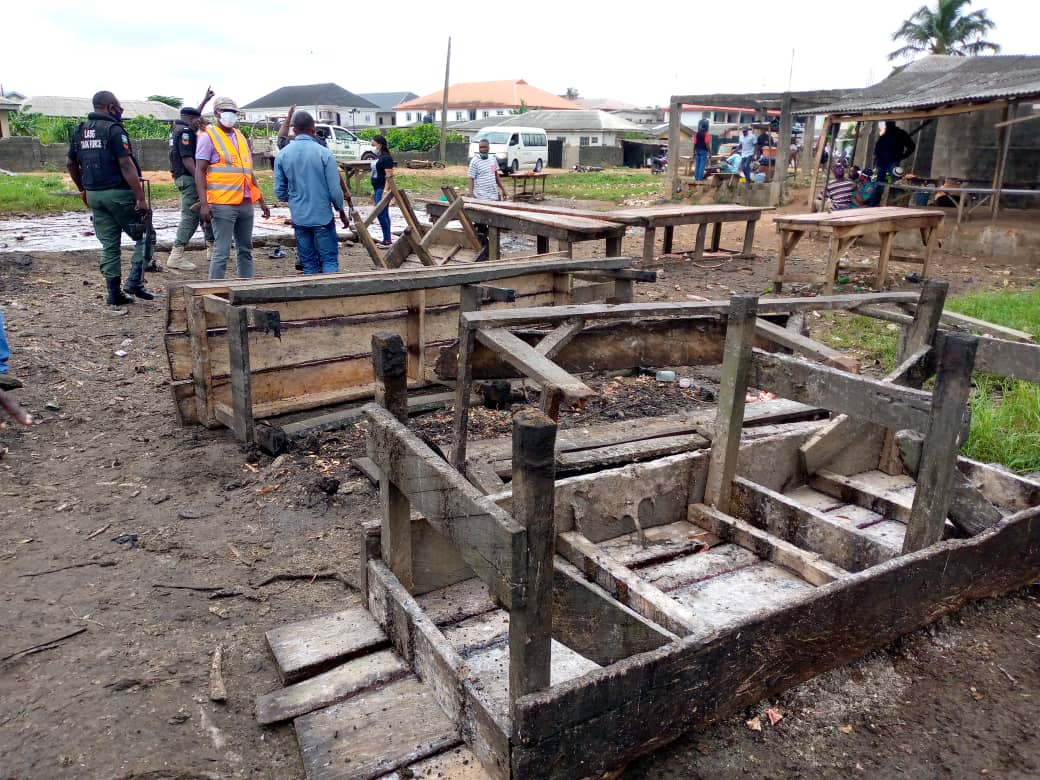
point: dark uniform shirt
(182, 144)
(894, 146)
(97, 145)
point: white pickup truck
(343, 144)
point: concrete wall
(22, 154)
(603, 156)
(457, 154)
(966, 148)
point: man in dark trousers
(102, 165)
(894, 146)
(183, 139)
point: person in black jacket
(102, 165)
(183, 139)
(894, 146)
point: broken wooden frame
(247, 350)
(753, 591)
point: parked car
(515, 148)
(343, 144)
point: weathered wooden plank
(884, 403)
(855, 490)
(329, 687)
(845, 431)
(241, 374)
(457, 763)
(515, 318)
(733, 384)
(557, 339)
(611, 715)
(807, 528)
(469, 300)
(374, 733)
(938, 460)
(657, 544)
(630, 452)
(811, 567)
(626, 586)
(310, 646)
(488, 539)
(1003, 488)
(1004, 358)
(806, 347)
(587, 620)
(532, 363)
(531, 626)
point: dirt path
(109, 491)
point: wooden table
(352, 168)
(668, 217)
(964, 195)
(529, 176)
(842, 227)
(565, 228)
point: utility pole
(444, 106)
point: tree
(176, 102)
(945, 29)
(572, 93)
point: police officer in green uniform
(182, 167)
(103, 167)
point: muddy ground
(157, 540)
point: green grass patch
(869, 339)
(1005, 423)
(37, 195)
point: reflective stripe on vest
(227, 179)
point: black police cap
(189, 111)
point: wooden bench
(841, 227)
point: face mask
(228, 118)
(483, 155)
(116, 115)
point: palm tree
(944, 29)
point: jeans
(318, 248)
(745, 166)
(384, 215)
(701, 156)
(113, 211)
(5, 350)
(189, 219)
(232, 222)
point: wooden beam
(556, 340)
(530, 626)
(532, 363)
(786, 518)
(802, 345)
(858, 396)
(487, 538)
(469, 301)
(627, 586)
(450, 215)
(506, 318)
(941, 442)
(895, 116)
(733, 384)
(390, 364)
(809, 566)
(241, 376)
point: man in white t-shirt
(747, 143)
(485, 183)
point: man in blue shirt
(305, 175)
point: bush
(58, 130)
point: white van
(515, 148)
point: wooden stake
(736, 366)
(390, 364)
(469, 300)
(241, 378)
(941, 440)
(530, 626)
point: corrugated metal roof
(77, 107)
(387, 100)
(943, 80)
(558, 121)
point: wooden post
(494, 243)
(1003, 141)
(783, 145)
(390, 365)
(674, 139)
(648, 245)
(939, 452)
(716, 236)
(818, 157)
(241, 378)
(919, 333)
(416, 338)
(614, 246)
(530, 626)
(667, 240)
(698, 247)
(729, 421)
(748, 250)
(883, 257)
(469, 300)
(808, 151)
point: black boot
(140, 291)
(115, 295)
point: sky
(612, 50)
